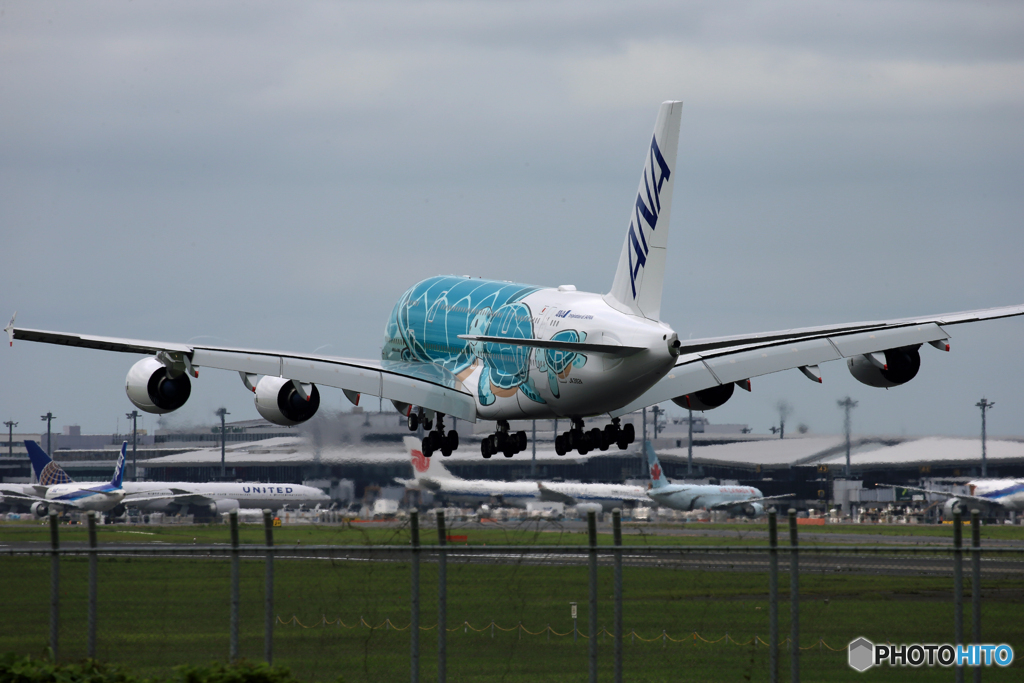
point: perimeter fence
(425, 609)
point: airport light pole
(848, 404)
(49, 418)
(222, 412)
(689, 446)
(134, 417)
(10, 437)
(656, 410)
(533, 442)
(985, 405)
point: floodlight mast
(985, 405)
(49, 417)
(848, 404)
(10, 437)
(222, 412)
(134, 417)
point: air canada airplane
(743, 500)
(479, 349)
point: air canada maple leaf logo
(656, 472)
(419, 462)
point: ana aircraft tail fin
(638, 280)
(658, 479)
(46, 470)
(118, 477)
(422, 466)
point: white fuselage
(608, 496)
(97, 496)
(511, 381)
(1007, 493)
(698, 496)
(248, 495)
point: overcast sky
(275, 175)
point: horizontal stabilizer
(576, 347)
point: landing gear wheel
(521, 436)
(485, 448)
(629, 433)
(560, 448)
(428, 445)
(428, 424)
(413, 421)
(446, 449)
(453, 440)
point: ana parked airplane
(177, 497)
(986, 495)
(57, 491)
(489, 350)
(745, 500)
(431, 475)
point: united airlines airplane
(177, 497)
(487, 350)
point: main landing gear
(437, 439)
(503, 441)
(596, 439)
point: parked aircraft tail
(422, 466)
(118, 477)
(638, 280)
(46, 470)
(658, 479)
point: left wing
(706, 363)
(734, 503)
(419, 384)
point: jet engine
(223, 505)
(753, 509)
(951, 507)
(40, 509)
(900, 366)
(151, 388)
(706, 399)
(279, 401)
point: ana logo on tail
(656, 172)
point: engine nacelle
(901, 366)
(152, 389)
(40, 509)
(706, 399)
(279, 401)
(753, 509)
(951, 507)
(219, 507)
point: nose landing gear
(576, 439)
(503, 441)
(438, 440)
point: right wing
(959, 496)
(706, 363)
(419, 384)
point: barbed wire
(387, 624)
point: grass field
(156, 613)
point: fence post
(414, 579)
(91, 521)
(268, 591)
(592, 534)
(794, 600)
(976, 583)
(235, 600)
(958, 589)
(442, 600)
(54, 584)
(617, 533)
(773, 597)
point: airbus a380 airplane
(487, 350)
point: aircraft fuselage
(512, 381)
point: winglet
(10, 329)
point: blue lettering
(278, 489)
(641, 256)
(288, 489)
(245, 489)
(1004, 655)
